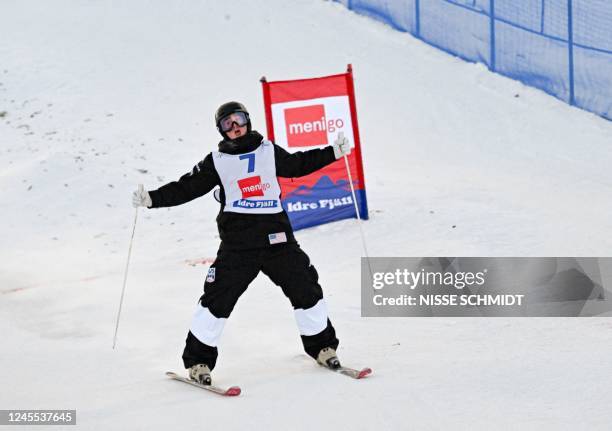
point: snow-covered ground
(96, 97)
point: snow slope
(96, 97)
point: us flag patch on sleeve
(211, 275)
(277, 238)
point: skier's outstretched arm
(300, 163)
(202, 179)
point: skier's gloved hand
(141, 198)
(342, 146)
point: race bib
(249, 180)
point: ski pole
(127, 265)
(359, 222)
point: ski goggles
(240, 118)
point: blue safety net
(563, 47)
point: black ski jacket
(242, 231)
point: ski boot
(327, 357)
(201, 374)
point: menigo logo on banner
(253, 187)
(308, 125)
(311, 123)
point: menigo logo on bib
(308, 126)
(252, 186)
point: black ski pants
(230, 275)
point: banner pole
(356, 138)
(359, 163)
(267, 107)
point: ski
(229, 392)
(351, 372)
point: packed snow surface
(97, 97)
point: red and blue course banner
(309, 113)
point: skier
(255, 236)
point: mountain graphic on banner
(339, 188)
